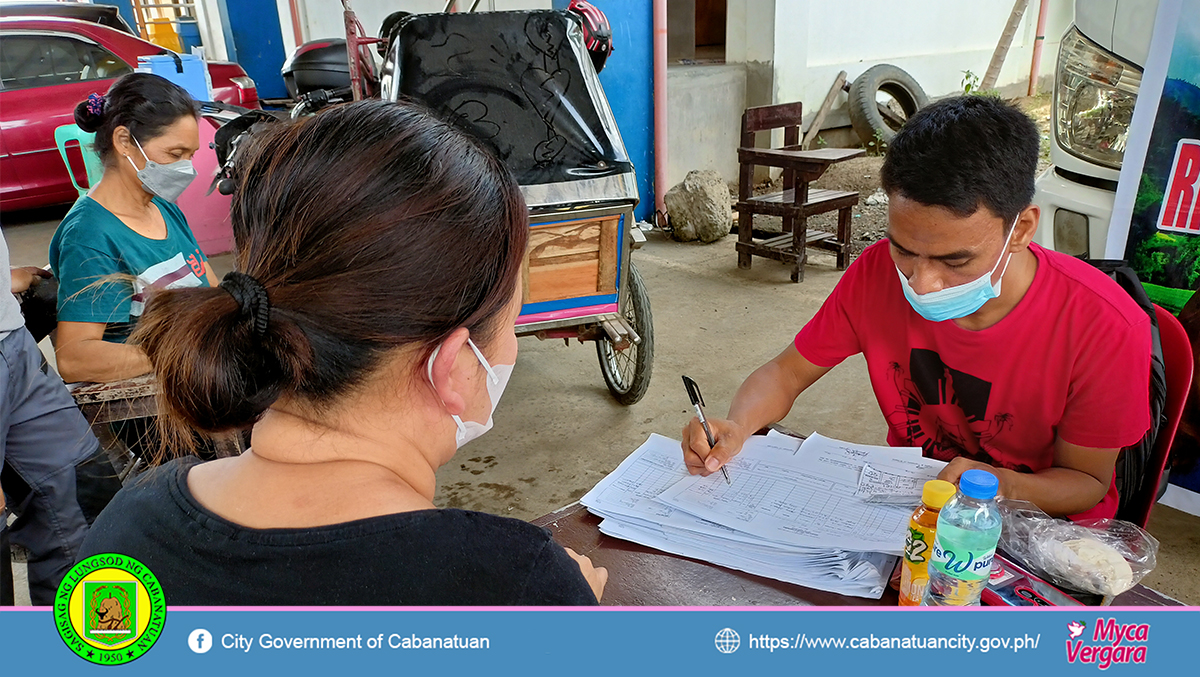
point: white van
(1096, 83)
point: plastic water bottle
(968, 529)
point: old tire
(627, 372)
(883, 85)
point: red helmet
(597, 33)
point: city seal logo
(109, 609)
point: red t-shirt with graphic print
(1072, 359)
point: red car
(47, 66)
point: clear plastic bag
(1100, 556)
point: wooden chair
(796, 202)
(134, 398)
(103, 404)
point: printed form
(808, 498)
(627, 499)
(632, 490)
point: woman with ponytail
(367, 335)
(126, 235)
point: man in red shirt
(984, 349)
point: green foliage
(970, 82)
(1168, 260)
(877, 147)
(970, 85)
(1149, 196)
(1168, 297)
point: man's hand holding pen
(701, 459)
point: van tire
(865, 117)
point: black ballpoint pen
(697, 399)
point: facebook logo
(200, 641)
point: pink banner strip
(567, 314)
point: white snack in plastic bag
(1101, 565)
(1100, 556)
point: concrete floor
(558, 432)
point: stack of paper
(823, 514)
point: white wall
(749, 31)
(285, 25)
(934, 40)
(208, 19)
(705, 104)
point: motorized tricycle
(526, 85)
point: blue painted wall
(257, 43)
(628, 80)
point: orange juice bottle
(918, 545)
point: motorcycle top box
(319, 64)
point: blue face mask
(954, 303)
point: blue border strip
(622, 237)
(563, 304)
(581, 301)
(1024, 642)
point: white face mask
(496, 382)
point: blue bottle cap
(979, 484)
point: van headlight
(1093, 100)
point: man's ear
(447, 382)
(1027, 225)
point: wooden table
(116, 401)
(641, 576)
(133, 398)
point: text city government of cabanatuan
(392, 641)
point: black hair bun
(90, 113)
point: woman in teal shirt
(127, 225)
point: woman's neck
(307, 471)
(372, 443)
(121, 197)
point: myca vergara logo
(1111, 643)
(109, 609)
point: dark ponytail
(215, 376)
(371, 226)
(143, 103)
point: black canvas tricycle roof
(524, 83)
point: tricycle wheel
(627, 372)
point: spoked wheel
(627, 372)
